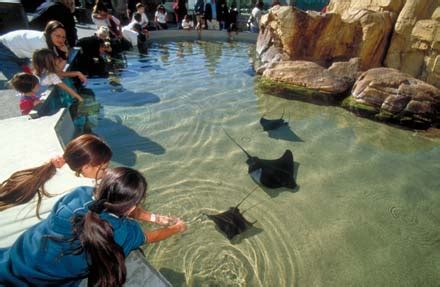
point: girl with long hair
(47, 67)
(88, 234)
(24, 198)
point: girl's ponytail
(23, 185)
(119, 191)
(105, 257)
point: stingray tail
(244, 198)
(232, 139)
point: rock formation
(390, 95)
(296, 47)
(304, 77)
(415, 44)
(291, 34)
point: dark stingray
(271, 173)
(269, 125)
(232, 222)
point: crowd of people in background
(43, 49)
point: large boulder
(415, 44)
(288, 33)
(389, 95)
(309, 81)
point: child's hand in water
(180, 225)
(166, 220)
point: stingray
(269, 125)
(232, 222)
(273, 173)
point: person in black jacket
(208, 14)
(91, 60)
(222, 14)
(60, 10)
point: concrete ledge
(206, 35)
(29, 143)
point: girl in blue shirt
(88, 234)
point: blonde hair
(44, 61)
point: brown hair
(44, 61)
(24, 82)
(120, 190)
(23, 185)
(99, 6)
(139, 5)
(50, 28)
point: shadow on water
(125, 142)
(175, 278)
(125, 98)
(121, 96)
(284, 133)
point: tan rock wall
(326, 38)
(341, 6)
(415, 44)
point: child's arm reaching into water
(164, 233)
(141, 214)
(173, 225)
(70, 91)
(73, 74)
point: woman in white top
(17, 47)
(160, 18)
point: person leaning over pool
(87, 156)
(88, 234)
(28, 195)
(17, 47)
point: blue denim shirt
(36, 260)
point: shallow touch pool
(367, 212)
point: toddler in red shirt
(27, 85)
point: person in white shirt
(17, 47)
(187, 24)
(132, 30)
(254, 19)
(160, 18)
(144, 19)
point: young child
(144, 19)
(27, 85)
(46, 67)
(187, 24)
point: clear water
(367, 211)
